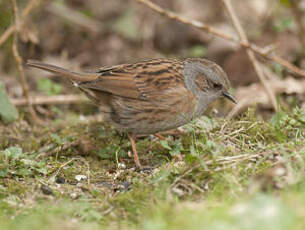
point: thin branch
(51, 100)
(243, 37)
(61, 167)
(7, 34)
(9, 31)
(211, 30)
(25, 87)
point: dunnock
(150, 96)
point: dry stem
(25, 88)
(243, 37)
(211, 30)
(51, 100)
(30, 6)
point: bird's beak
(229, 96)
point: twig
(61, 167)
(51, 100)
(9, 31)
(211, 30)
(243, 37)
(25, 87)
(7, 34)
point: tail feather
(63, 72)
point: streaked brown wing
(117, 80)
(142, 80)
(159, 77)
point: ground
(245, 173)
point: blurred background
(90, 34)
(71, 171)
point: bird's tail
(80, 77)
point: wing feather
(143, 80)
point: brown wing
(117, 80)
(142, 80)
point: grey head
(206, 80)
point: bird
(150, 96)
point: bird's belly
(150, 125)
(149, 117)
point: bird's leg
(159, 136)
(134, 150)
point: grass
(240, 174)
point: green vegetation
(220, 174)
(8, 112)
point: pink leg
(134, 150)
(160, 137)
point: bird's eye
(217, 86)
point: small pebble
(60, 180)
(46, 190)
(74, 195)
(80, 177)
(121, 166)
